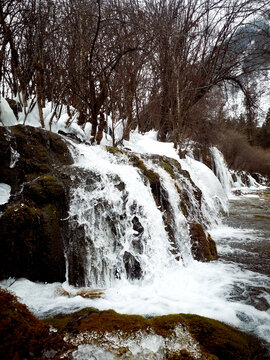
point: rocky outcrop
(31, 226)
(203, 247)
(27, 152)
(178, 336)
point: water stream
(244, 242)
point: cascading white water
(221, 170)
(180, 225)
(124, 229)
(225, 175)
(126, 234)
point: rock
(44, 190)
(132, 266)
(237, 192)
(22, 335)
(38, 152)
(185, 336)
(31, 227)
(203, 247)
(31, 243)
(15, 106)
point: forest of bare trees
(153, 64)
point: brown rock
(203, 247)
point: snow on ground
(7, 116)
(5, 190)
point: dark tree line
(151, 64)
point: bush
(240, 155)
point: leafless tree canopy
(146, 63)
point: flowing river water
(244, 241)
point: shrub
(240, 155)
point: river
(244, 241)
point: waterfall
(221, 170)
(126, 225)
(123, 228)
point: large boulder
(32, 230)
(27, 152)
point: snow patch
(7, 116)
(5, 190)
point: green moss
(99, 321)
(165, 164)
(223, 340)
(218, 341)
(203, 247)
(150, 175)
(164, 325)
(44, 189)
(114, 150)
(62, 322)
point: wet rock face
(133, 267)
(31, 227)
(203, 247)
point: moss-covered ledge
(190, 336)
(216, 340)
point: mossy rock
(224, 341)
(22, 335)
(45, 189)
(151, 176)
(39, 151)
(114, 150)
(91, 319)
(217, 340)
(166, 165)
(31, 243)
(19, 227)
(52, 265)
(203, 247)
